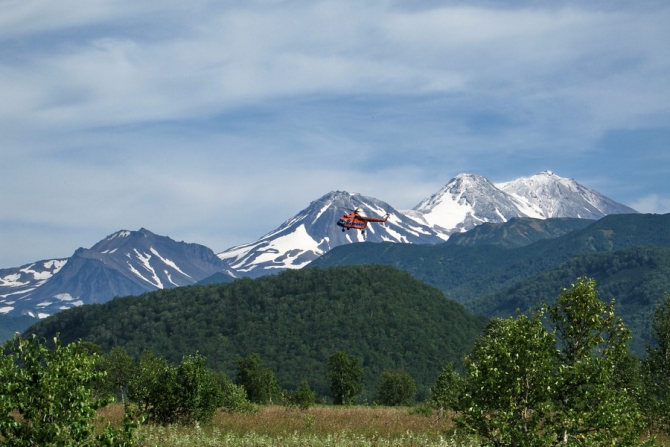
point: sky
(213, 122)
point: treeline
(294, 321)
(49, 396)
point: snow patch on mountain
(124, 263)
(312, 232)
(19, 282)
(167, 262)
(469, 200)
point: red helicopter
(357, 221)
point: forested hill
(636, 278)
(518, 232)
(465, 273)
(294, 320)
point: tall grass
(167, 436)
(329, 426)
(318, 426)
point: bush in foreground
(52, 392)
(185, 394)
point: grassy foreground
(320, 426)
(317, 426)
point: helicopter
(358, 221)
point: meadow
(317, 426)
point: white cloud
(240, 56)
(653, 203)
(171, 115)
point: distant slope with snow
(313, 232)
(554, 196)
(124, 263)
(470, 200)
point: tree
(52, 392)
(345, 377)
(446, 393)
(551, 378)
(508, 378)
(656, 367)
(396, 388)
(120, 369)
(592, 342)
(260, 383)
(151, 388)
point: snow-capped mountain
(134, 262)
(312, 232)
(554, 196)
(124, 263)
(465, 202)
(469, 200)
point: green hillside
(518, 232)
(294, 320)
(636, 278)
(12, 324)
(465, 273)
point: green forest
(294, 321)
(498, 269)
(465, 272)
(634, 278)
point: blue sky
(213, 122)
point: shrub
(396, 388)
(52, 392)
(186, 394)
(234, 397)
(303, 397)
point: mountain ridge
(134, 262)
(123, 263)
(465, 202)
(465, 272)
(469, 200)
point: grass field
(317, 426)
(321, 426)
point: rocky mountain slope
(124, 263)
